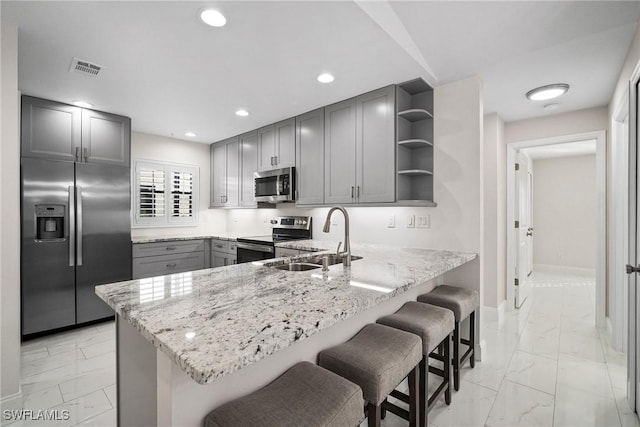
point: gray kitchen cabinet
(223, 253)
(310, 158)
(340, 152)
(224, 173)
(58, 131)
(277, 145)
(286, 252)
(106, 138)
(359, 149)
(162, 258)
(375, 150)
(248, 166)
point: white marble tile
(42, 399)
(578, 408)
(581, 346)
(49, 363)
(34, 354)
(469, 407)
(518, 405)
(85, 407)
(83, 341)
(111, 392)
(533, 371)
(98, 349)
(106, 419)
(539, 344)
(87, 383)
(584, 375)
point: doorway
(519, 218)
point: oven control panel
(295, 222)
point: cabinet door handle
(226, 261)
(77, 153)
(85, 153)
(170, 248)
(358, 192)
(352, 188)
(172, 265)
(275, 161)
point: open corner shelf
(415, 143)
(414, 172)
(415, 114)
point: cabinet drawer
(167, 248)
(225, 246)
(286, 252)
(167, 264)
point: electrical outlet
(411, 221)
(423, 221)
(391, 221)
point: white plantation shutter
(165, 194)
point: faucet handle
(338, 248)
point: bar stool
(305, 395)
(463, 302)
(378, 358)
(434, 326)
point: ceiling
(569, 149)
(171, 73)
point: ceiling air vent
(85, 67)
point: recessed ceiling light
(82, 104)
(242, 113)
(190, 134)
(325, 78)
(213, 17)
(543, 93)
(552, 106)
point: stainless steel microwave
(275, 186)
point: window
(164, 194)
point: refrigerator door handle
(72, 227)
(79, 234)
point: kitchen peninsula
(188, 342)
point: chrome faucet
(347, 245)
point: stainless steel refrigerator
(75, 235)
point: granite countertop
(157, 239)
(214, 322)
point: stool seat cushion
(305, 395)
(429, 322)
(459, 300)
(377, 358)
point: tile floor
(544, 365)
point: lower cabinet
(287, 252)
(223, 253)
(159, 259)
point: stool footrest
(465, 341)
(436, 394)
(402, 413)
(437, 356)
(466, 355)
(400, 396)
(436, 371)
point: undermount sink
(313, 262)
(297, 266)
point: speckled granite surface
(214, 322)
(155, 239)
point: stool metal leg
(456, 356)
(472, 338)
(424, 391)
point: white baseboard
(492, 314)
(479, 349)
(12, 402)
(591, 272)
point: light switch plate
(391, 221)
(423, 221)
(411, 221)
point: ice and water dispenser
(49, 222)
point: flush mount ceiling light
(543, 93)
(213, 18)
(82, 104)
(325, 78)
(190, 134)
(242, 113)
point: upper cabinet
(415, 143)
(310, 158)
(233, 162)
(248, 165)
(359, 148)
(277, 145)
(63, 132)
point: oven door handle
(254, 247)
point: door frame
(601, 224)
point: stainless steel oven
(258, 248)
(276, 185)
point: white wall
(564, 211)
(153, 147)
(494, 210)
(9, 226)
(632, 61)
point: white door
(522, 227)
(530, 219)
(633, 358)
